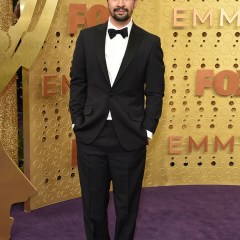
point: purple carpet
(166, 213)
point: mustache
(120, 8)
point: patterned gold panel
(8, 98)
(6, 15)
(187, 50)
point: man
(114, 65)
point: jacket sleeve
(154, 88)
(78, 84)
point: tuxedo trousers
(99, 163)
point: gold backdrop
(182, 151)
(187, 50)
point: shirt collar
(129, 26)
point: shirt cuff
(149, 134)
(73, 125)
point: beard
(121, 18)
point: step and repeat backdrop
(197, 140)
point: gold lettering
(178, 17)
(203, 143)
(224, 14)
(202, 20)
(174, 142)
(218, 142)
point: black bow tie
(112, 32)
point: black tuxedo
(141, 72)
(114, 150)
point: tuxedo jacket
(91, 95)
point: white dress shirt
(115, 49)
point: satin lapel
(101, 38)
(133, 44)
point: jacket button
(111, 94)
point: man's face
(121, 10)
